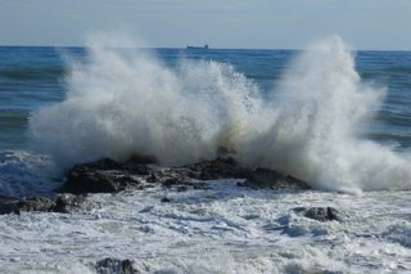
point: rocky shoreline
(140, 173)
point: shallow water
(225, 229)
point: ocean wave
(120, 105)
(25, 174)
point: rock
(220, 168)
(267, 178)
(223, 151)
(35, 204)
(224, 168)
(322, 214)
(105, 176)
(165, 200)
(67, 202)
(180, 183)
(103, 164)
(8, 205)
(139, 172)
(115, 266)
(182, 188)
(297, 182)
(83, 179)
(64, 203)
(142, 159)
(171, 182)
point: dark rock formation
(8, 205)
(142, 159)
(220, 168)
(267, 178)
(165, 200)
(35, 204)
(67, 202)
(322, 214)
(12, 205)
(140, 172)
(89, 179)
(115, 266)
(64, 203)
(102, 164)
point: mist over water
(311, 127)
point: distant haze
(365, 24)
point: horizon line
(166, 47)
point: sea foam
(310, 126)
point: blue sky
(365, 24)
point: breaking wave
(23, 174)
(311, 126)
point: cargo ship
(196, 47)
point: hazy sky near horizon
(365, 24)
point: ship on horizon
(197, 47)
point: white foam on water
(25, 174)
(224, 229)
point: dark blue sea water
(33, 77)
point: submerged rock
(64, 203)
(67, 202)
(322, 214)
(115, 266)
(8, 205)
(35, 204)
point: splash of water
(119, 105)
(322, 111)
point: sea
(333, 116)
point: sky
(271, 24)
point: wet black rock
(83, 179)
(107, 176)
(220, 168)
(102, 164)
(322, 214)
(268, 178)
(224, 168)
(141, 172)
(64, 203)
(115, 266)
(8, 205)
(35, 204)
(165, 200)
(67, 202)
(142, 159)
(172, 182)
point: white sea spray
(120, 104)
